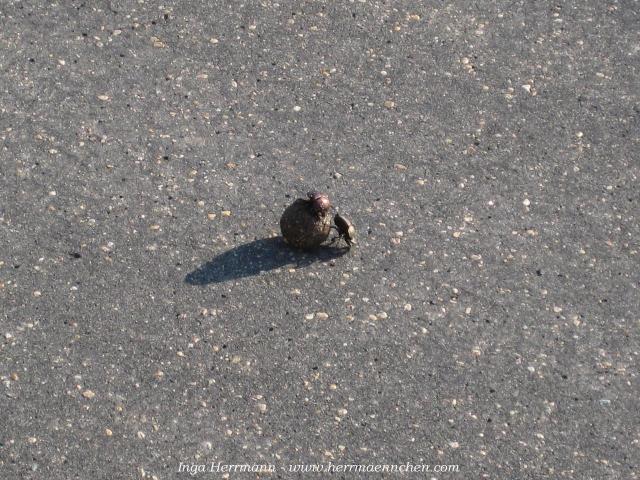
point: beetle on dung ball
(306, 223)
(320, 202)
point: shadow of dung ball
(302, 227)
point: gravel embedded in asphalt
(151, 316)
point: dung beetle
(345, 229)
(319, 202)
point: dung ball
(302, 227)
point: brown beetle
(320, 202)
(345, 229)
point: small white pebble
(88, 394)
(526, 202)
(297, 108)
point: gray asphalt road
(488, 318)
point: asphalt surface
(487, 153)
